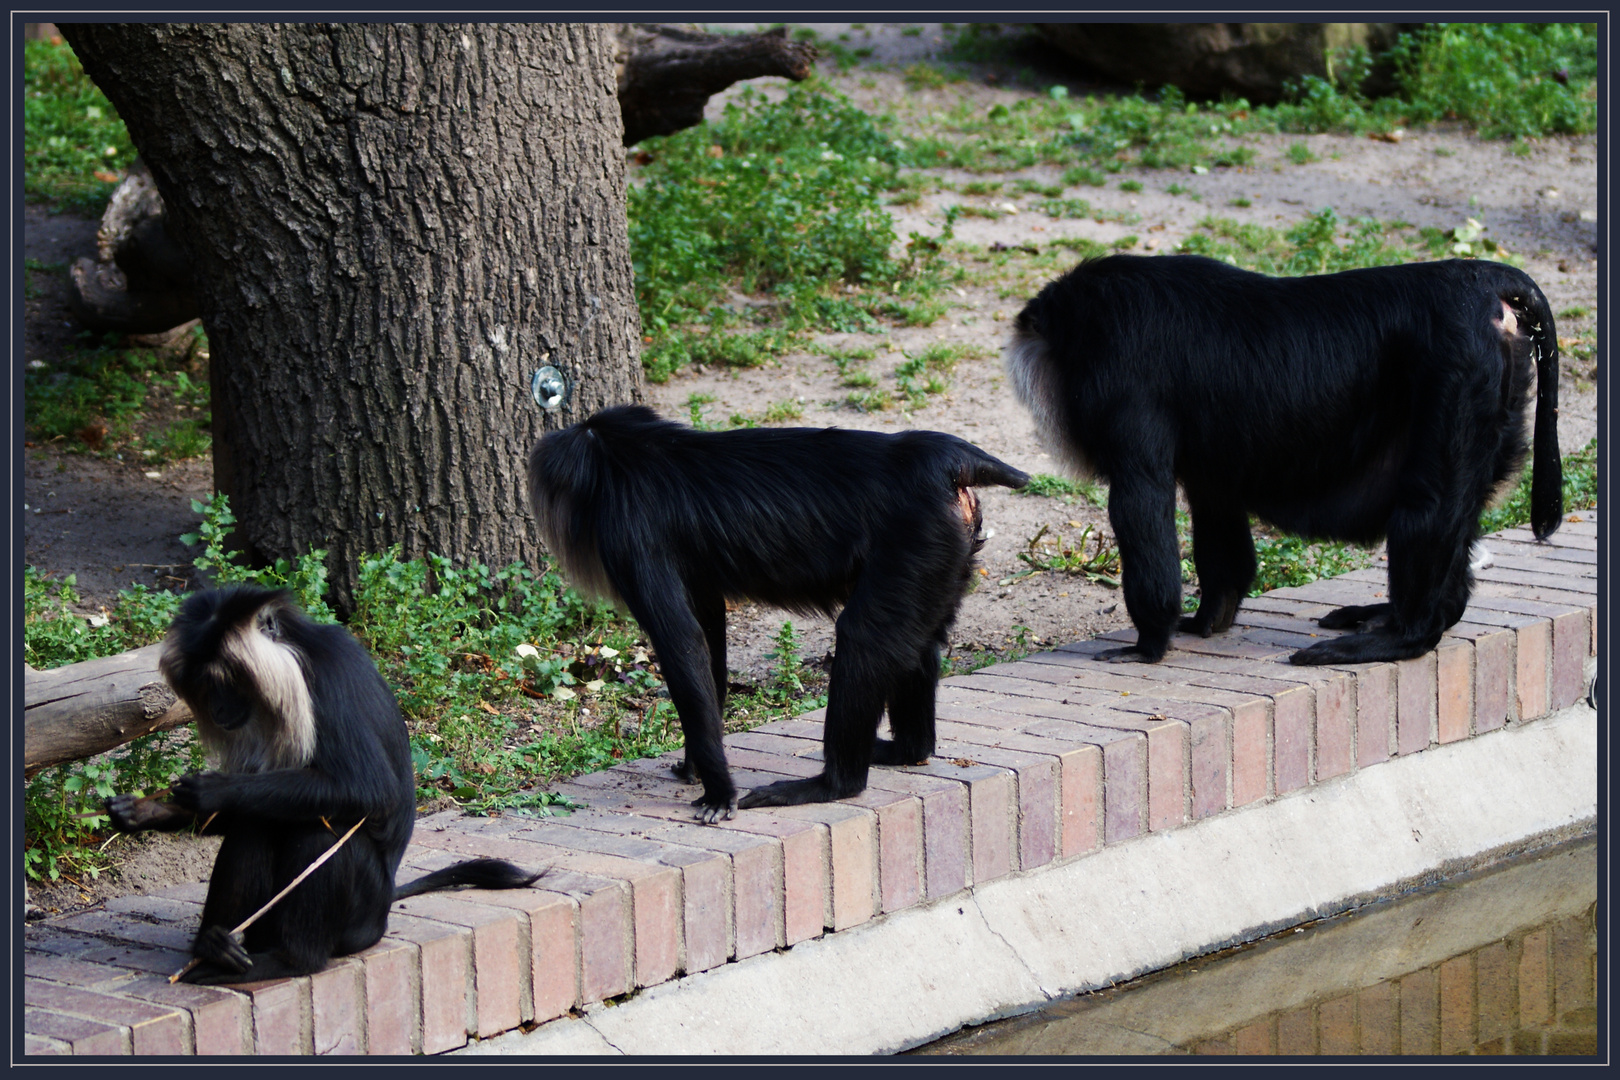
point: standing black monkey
(1351, 406)
(675, 522)
(309, 740)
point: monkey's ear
(269, 625)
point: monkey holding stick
(674, 522)
(309, 741)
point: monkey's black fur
(675, 522)
(1351, 406)
(305, 729)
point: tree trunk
(80, 710)
(392, 228)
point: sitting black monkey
(309, 740)
(674, 522)
(1354, 406)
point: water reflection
(1497, 963)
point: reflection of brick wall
(1532, 993)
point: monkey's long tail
(1547, 469)
(479, 873)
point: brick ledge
(1041, 762)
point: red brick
(40, 1046)
(281, 1016)
(153, 1029)
(1416, 704)
(1573, 974)
(1251, 766)
(1420, 1013)
(393, 989)
(1296, 1032)
(1457, 1005)
(991, 809)
(1376, 1019)
(1494, 666)
(446, 958)
(756, 880)
(549, 936)
(1336, 1026)
(1534, 659)
(1375, 713)
(71, 971)
(1454, 678)
(220, 1019)
(1256, 1039)
(805, 884)
(900, 853)
(126, 928)
(1293, 717)
(699, 898)
(337, 1008)
(852, 857)
(1035, 775)
(1494, 991)
(499, 969)
(1335, 726)
(653, 941)
(83, 1036)
(1570, 638)
(1535, 979)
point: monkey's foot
(710, 810)
(684, 772)
(1356, 616)
(217, 945)
(1130, 654)
(795, 793)
(1362, 649)
(888, 752)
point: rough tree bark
(391, 229)
(665, 76)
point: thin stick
(270, 903)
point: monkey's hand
(216, 945)
(203, 793)
(717, 808)
(132, 813)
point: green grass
(1049, 486)
(780, 199)
(74, 144)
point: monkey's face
(226, 700)
(232, 657)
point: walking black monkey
(309, 740)
(674, 522)
(1384, 402)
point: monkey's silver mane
(281, 732)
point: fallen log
(667, 74)
(80, 710)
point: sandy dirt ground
(113, 523)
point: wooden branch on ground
(80, 710)
(667, 74)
